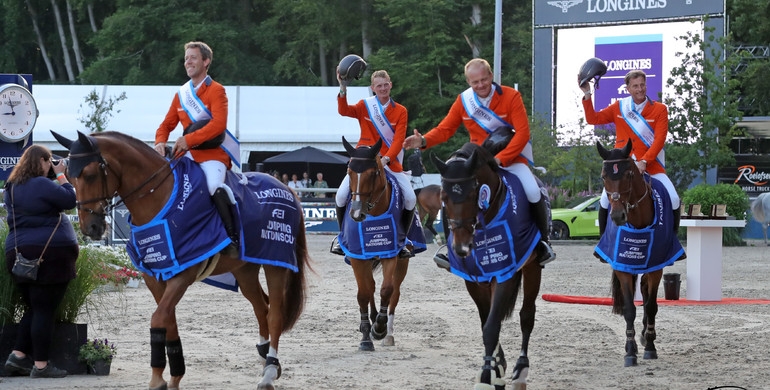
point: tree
(100, 110)
(702, 111)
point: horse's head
(621, 181)
(461, 178)
(88, 171)
(368, 184)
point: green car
(577, 220)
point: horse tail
(617, 295)
(296, 288)
(510, 304)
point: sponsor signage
(570, 12)
(11, 152)
(751, 173)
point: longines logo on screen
(7, 163)
(748, 172)
(602, 6)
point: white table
(704, 257)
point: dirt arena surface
(438, 334)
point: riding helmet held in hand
(594, 67)
(352, 67)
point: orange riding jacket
(213, 96)
(655, 113)
(507, 104)
(397, 116)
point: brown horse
(429, 202)
(370, 196)
(108, 164)
(631, 201)
(463, 176)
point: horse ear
(64, 141)
(627, 149)
(440, 165)
(85, 140)
(377, 146)
(602, 151)
(471, 162)
(348, 146)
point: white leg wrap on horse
(272, 352)
(390, 324)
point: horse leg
(380, 326)
(248, 282)
(650, 283)
(627, 286)
(276, 278)
(362, 269)
(503, 301)
(164, 333)
(531, 274)
(399, 273)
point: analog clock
(18, 112)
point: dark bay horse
(429, 202)
(109, 164)
(632, 205)
(469, 171)
(370, 197)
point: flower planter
(65, 346)
(133, 283)
(99, 367)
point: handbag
(23, 267)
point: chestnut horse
(633, 206)
(116, 164)
(370, 196)
(429, 202)
(463, 176)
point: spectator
(37, 229)
(306, 180)
(320, 183)
(294, 183)
(285, 179)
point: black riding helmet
(594, 67)
(352, 67)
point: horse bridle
(615, 196)
(473, 222)
(106, 200)
(369, 204)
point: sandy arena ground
(438, 335)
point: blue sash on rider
(381, 236)
(503, 244)
(188, 230)
(639, 251)
(640, 127)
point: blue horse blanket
(639, 251)
(188, 230)
(381, 236)
(503, 244)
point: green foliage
(97, 349)
(11, 304)
(101, 109)
(703, 110)
(728, 194)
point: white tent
(263, 118)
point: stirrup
(336, 248)
(441, 260)
(547, 254)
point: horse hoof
(366, 346)
(519, 386)
(630, 361)
(483, 386)
(377, 336)
(650, 355)
(161, 387)
(388, 341)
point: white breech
(527, 180)
(215, 176)
(605, 202)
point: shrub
(98, 349)
(728, 194)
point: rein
(615, 196)
(478, 219)
(106, 200)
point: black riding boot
(407, 217)
(225, 209)
(602, 220)
(540, 213)
(677, 217)
(337, 249)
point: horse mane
(484, 156)
(135, 142)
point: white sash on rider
(488, 120)
(640, 126)
(381, 123)
(196, 110)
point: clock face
(18, 112)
